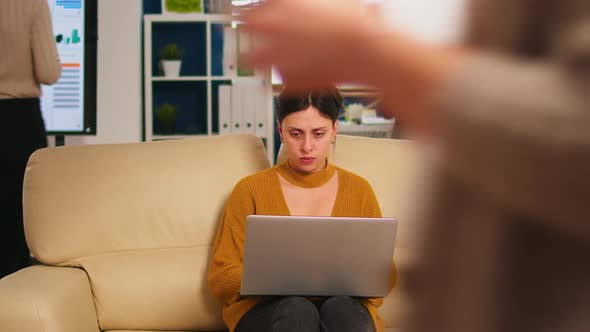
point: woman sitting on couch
(307, 185)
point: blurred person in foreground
(507, 235)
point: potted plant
(181, 6)
(171, 59)
(166, 118)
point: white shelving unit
(209, 78)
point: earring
(333, 140)
(282, 141)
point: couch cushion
(158, 289)
(140, 219)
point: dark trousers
(22, 131)
(298, 314)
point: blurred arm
(516, 130)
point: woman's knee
(343, 312)
(297, 310)
(297, 305)
(341, 305)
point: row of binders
(243, 108)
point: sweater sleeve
(45, 56)
(518, 130)
(225, 269)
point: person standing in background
(506, 240)
(28, 58)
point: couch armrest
(48, 299)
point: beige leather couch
(124, 231)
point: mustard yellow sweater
(261, 194)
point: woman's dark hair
(328, 101)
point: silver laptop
(318, 256)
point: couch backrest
(139, 218)
(392, 168)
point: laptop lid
(318, 256)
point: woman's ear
(336, 124)
(280, 129)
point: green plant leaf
(171, 52)
(184, 6)
(165, 115)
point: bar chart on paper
(72, 37)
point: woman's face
(308, 135)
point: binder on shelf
(260, 111)
(237, 104)
(230, 51)
(249, 114)
(225, 109)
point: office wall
(119, 100)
